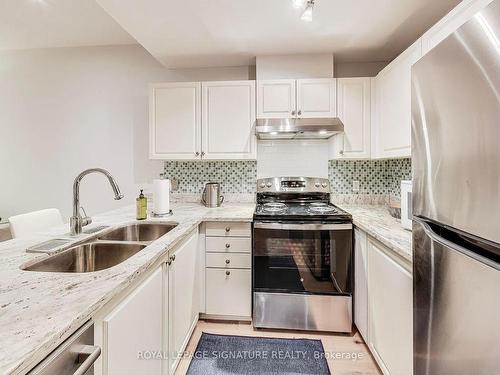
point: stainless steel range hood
(298, 128)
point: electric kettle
(211, 196)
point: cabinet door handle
(90, 353)
(228, 261)
(203, 153)
(228, 273)
(299, 112)
(173, 257)
(293, 112)
(228, 245)
(228, 229)
(197, 154)
(169, 262)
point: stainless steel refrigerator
(456, 201)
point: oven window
(302, 261)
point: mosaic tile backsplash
(235, 176)
(375, 176)
(239, 177)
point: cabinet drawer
(228, 291)
(228, 229)
(229, 260)
(228, 245)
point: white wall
(308, 158)
(295, 66)
(66, 109)
(359, 69)
(321, 65)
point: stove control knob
(262, 185)
(324, 184)
(316, 184)
(269, 184)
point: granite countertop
(39, 310)
(378, 223)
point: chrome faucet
(76, 222)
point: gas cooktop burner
(274, 207)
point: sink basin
(93, 256)
(139, 232)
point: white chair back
(25, 225)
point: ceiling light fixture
(308, 12)
(298, 4)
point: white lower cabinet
(183, 298)
(135, 327)
(159, 315)
(228, 275)
(138, 330)
(390, 296)
(361, 283)
(229, 292)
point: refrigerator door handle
(429, 231)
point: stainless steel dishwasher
(75, 356)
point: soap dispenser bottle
(142, 207)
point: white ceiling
(200, 33)
(57, 23)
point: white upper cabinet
(210, 120)
(391, 122)
(391, 133)
(353, 109)
(276, 98)
(316, 97)
(290, 98)
(175, 120)
(228, 120)
(462, 13)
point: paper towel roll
(161, 196)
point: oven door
(308, 258)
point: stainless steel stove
(302, 257)
(296, 198)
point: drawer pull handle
(228, 229)
(228, 273)
(228, 261)
(228, 245)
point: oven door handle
(281, 226)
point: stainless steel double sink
(107, 250)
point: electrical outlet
(174, 184)
(355, 186)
